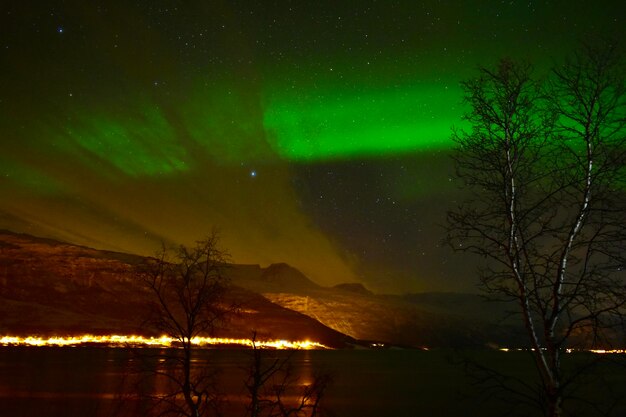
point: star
(349, 118)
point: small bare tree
(188, 290)
(270, 381)
(546, 166)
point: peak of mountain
(287, 276)
(276, 277)
(353, 287)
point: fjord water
(91, 381)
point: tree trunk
(187, 392)
(555, 401)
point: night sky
(313, 133)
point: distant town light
(163, 341)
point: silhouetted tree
(188, 288)
(546, 166)
(271, 380)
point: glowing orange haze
(163, 341)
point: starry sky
(313, 133)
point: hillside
(52, 288)
(418, 320)
(49, 287)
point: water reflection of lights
(163, 341)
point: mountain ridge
(59, 287)
(49, 287)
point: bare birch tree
(188, 290)
(546, 166)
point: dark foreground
(91, 381)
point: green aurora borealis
(328, 126)
(312, 134)
(362, 123)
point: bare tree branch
(547, 166)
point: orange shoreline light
(163, 341)
(607, 351)
(597, 351)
